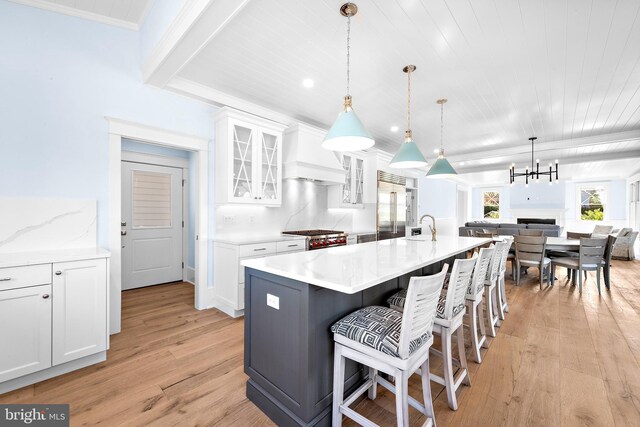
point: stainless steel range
(319, 239)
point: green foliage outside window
(592, 203)
(491, 204)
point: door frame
(171, 162)
(119, 129)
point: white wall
(563, 195)
(61, 76)
(439, 197)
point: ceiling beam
(546, 147)
(617, 155)
(198, 22)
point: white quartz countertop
(354, 268)
(248, 239)
(44, 257)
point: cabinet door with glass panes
(256, 164)
(353, 188)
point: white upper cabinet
(248, 152)
(352, 193)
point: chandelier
(533, 173)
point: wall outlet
(273, 301)
(228, 220)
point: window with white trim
(592, 199)
(491, 204)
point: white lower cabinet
(51, 314)
(229, 273)
(25, 331)
(79, 309)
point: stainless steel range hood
(304, 158)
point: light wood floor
(560, 358)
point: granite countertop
(45, 257)
(351, 269)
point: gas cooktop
(312, 233)
(320, 239)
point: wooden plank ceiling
(566, 71)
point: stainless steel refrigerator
(392, 206)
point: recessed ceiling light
(436, 151)
(461, 163)
(307, 83)
(394, 128)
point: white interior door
(152, 225)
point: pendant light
(347, 132)
(409, 155)
(441, 168)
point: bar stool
(503, 306)
(491, 286)
(449, 314)
(474, 301)
(392, 342)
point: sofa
(508, 229)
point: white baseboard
(54, 371)
(191, 275)
(227, 309)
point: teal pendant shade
(408, 156)
(441, 169)
(347, 134)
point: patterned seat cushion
(399, 299)
(376, 327)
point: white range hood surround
(304, 158)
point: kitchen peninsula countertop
(354, 268)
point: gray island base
(288, 353)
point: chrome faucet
(433, 229)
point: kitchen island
(292, 300)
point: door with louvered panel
(152, 225)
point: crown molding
(70, 11)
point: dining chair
(530, 252)
(624, 247)
(395, 343)
(606, 262)
(568, 253)
(602, 230)
(590, 259)
(530, 232)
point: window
(593, 202)
(491, 204)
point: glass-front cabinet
(248, 152)
(352, 191)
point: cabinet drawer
(291, 245)
(257, 249)
(21, 277)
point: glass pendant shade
(347, 133)
(441, 168)
(408, 156)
